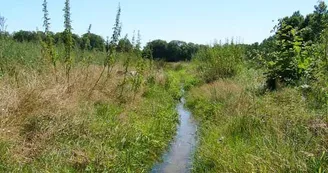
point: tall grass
(220, 61)
(243, 129)
(47, 128)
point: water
(178, 159)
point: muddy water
(178, 159)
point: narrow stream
(179, 157)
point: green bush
(218, 62)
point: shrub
(218, 62)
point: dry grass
(39, 97)
(48, 125)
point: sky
(197, 21)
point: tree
(159, 49)
(192, 50)
(86, 45)
(290, 61)
(296, 20)
(58, 38)
(27, 36)
(307, 29)
(76, 41)
(177, 51)
(124, 45)
(173, 51)
(319, 19)
(96, 42)
(315, 23)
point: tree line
(296, 53)
(172, 51)
(96, 41)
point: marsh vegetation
(71, 103)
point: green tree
(319, 19)
(124, 45)
(27, 36)
(158, 48)
(296, 20)
(173, 51)
(287, 63)
(177, 51)
(96, 42)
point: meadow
(72, 103)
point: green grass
(50, 129)
(111, 138)
(243, 129)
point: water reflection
(178, 158)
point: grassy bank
(50, 126)
(242, 128)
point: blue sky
(198, 21)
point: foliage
(27, 36)
(284, 65)
(86, 40)
(173, 51)
(289, 56)
(316, 89)
(96, 42)
(218, 62)
(126, 123)
(124, 45)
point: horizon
(200, 24)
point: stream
(179, 157)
